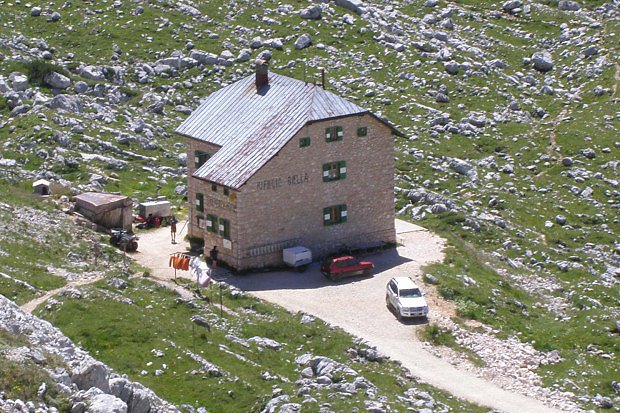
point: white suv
(404, 296)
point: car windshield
(410, 293)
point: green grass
(22, 379)
(122, 336)
(577, 123)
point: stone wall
(197, 185)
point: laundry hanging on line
(179, 261)
(201, 271)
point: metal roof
(252, 125)
(98, 198)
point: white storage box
(297, 256)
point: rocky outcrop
(88, 384)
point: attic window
(333, 133)
(200, 158)
(214, 187)
(363, 131)
(303, 142)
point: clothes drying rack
(179, 261)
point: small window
(200, 202)
(214, 187)
(200, 221)
(336, 214)
(226, 191)
(334, 170)
(363, 131)
(224, 228)
(334, 133)
(212, 223)
(303, 142)
(200, 158)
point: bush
(38, 69)
(438, 336)
(468, 309)
(447, 292)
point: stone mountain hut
(278, 162)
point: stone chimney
(262, 72)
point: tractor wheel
(132, 246)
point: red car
(346, 266)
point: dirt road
(358, 306)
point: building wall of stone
(197, 185)
(283, 203)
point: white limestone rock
(57, 80)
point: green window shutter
(343, 213)
(327, 216)
(339, 133)
(326, 172)
(342, 165)
(224, 228)
(211, 223)
(200, 202)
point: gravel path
(358, 306)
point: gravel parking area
(358, 306)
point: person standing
(213, 254)
(173, 230)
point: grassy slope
(107, 328)
(574, 123)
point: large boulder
(568, 5)
(133, 394)
(4, 86)
(92, 72)
(303, 41)
(139, 402)
(57, 80)
(511, 5)
(543, 62)
(68, 103)
(91, 374)
(452, 68)
(463, 168)
(203, 58)
(311, 12)
(356, 6)
(106, 403)
(20, 82)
